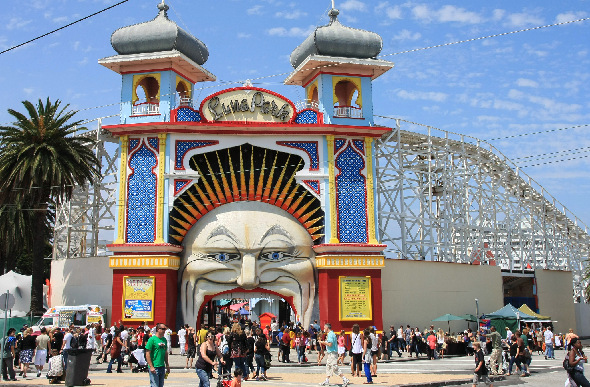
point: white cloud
(407, 35)
(523, 82)
(498, 14)
(295, 14)
(446, 14)
(60, 19)
(422, 95)
(291, 32)
(16, 23)
(353, 5)
(450, 13)
(243, 35)
(256, 10)
(392, 12)
(569, 16)
(524, 20)
(83, 61)
(28, 90)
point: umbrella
(469, 317)
(448, 318)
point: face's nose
(248, 278)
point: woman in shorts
(341, 348)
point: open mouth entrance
(239, 304)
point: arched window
(183, 94)
(347, 100)
(312, 97)
(146, 96)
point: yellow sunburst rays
(275, 191)
(285, 192)
(212, 196)
(258, 195)
(266, 194)
(227, 190)
(251, 193)
(234, 182)
(218, 191)
(243, 189)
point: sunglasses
(161, 329)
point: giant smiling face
(247, 245)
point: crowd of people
(244, 347)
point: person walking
(206, 361)
(42, 349)
(28, 346)
(521, 357)
(367, 356)
(191, 347)
(156, 353)
(116, 351)
(481, 372)
(513, 351)
(8, 345)
(496, 355)
(331, 344)
(261, 352)
(549, 341)
(577, 360)
(356, 339)
(182, 339)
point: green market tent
(508, 316)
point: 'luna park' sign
(247, 104)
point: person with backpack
(238, 349)
(223, 343)
(8, 346)
(576, 359)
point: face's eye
(275, 256)
(223, 257)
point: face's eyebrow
(276, 230)
(223, 231)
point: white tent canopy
(20, 286)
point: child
(237, 382)
(481, 372)
(341, 348)
(56, 367)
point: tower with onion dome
(160, 63)
(336, 65)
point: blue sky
(516, 84)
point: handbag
(267, 360)
(527, 353)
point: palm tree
(40, 164)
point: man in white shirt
(274, 327)
(125, 336)
(549, 344)
(508, 335)
(182, 339)
(91, 343)
(66, 345)
(168, 337)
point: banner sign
(247, 104)
(138, 298)
(355, 298)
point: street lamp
(477, 315)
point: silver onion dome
(337, 40)
(159, 34)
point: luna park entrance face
(251, 247)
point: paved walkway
(402, 371)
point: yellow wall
(554, 289)
(415, 292)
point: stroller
(224, 380)
(138, 357)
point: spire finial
(333, 5)
(163, 7)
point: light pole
(477, 315)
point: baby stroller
(138, 357)
(224, 380)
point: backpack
(567, 366)
(224, 347)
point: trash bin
(78, 365)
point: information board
(138, 298)
(355, 298)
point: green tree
(41, 162)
